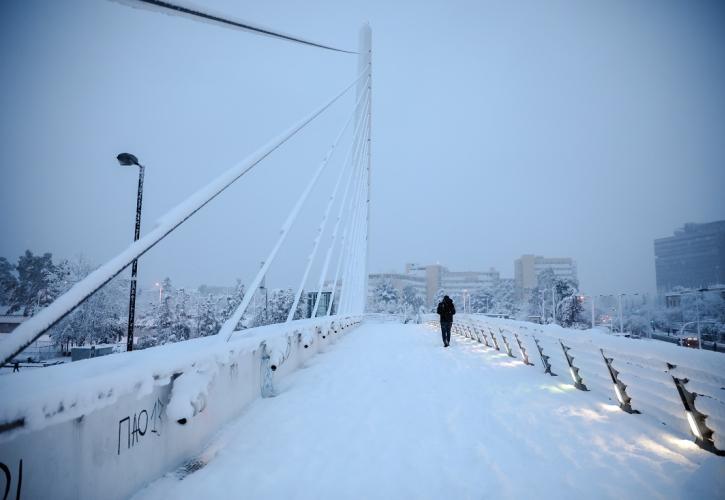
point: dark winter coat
(446, 309)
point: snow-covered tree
(182, 324)
(638, 324)
(278, 304)
(568, 310)
(207, 322)
(8, 281)
(504, 298)
(231, 302)
(33, 291)
(102, 318)
(481, 300)
(412, 299)
(385, 297)
(568, 304)
(162, 324)
(163, 319)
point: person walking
(446, 310)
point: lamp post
(697, 310)
(553, 304)
(619, 302)
(582, 298)
(542, 294)
(127, 160)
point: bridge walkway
(388, 412)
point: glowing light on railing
(619, 394)
(693, 425)
(620, 388)
(578, 382)
(696, 419)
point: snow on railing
(680, 388)
(36, 399)
(125, 419)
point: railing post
(478, 334)
(506, 343)
(493, 337)
(578, 383)
(696, 420)
(544, 358)
(620, 388)
(522, 349)
(485, 338)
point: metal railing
(679, 388)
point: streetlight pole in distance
(697, 310)
(619, 302)
(553, 305)
(127, 160)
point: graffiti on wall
(7, 475)
(140, 425)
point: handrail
(678, 387)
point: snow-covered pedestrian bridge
(367, 409)
(339, 407)
(389, 413)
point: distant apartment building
(693, 257)
(528, 267)
(426, 280)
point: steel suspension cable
(328, 256)
(198, 15)
(34, 327)
(348, 274)
(344, 246)
(323, 223)
(230, 324)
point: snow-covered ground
(390, 413)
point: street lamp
(128, 160)
(582, 298)
(553, 304)
(697, 310)
(619, 302)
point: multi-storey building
(528, 267)
(426, 280)
(693, 257)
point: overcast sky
(559, 128)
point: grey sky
(562, 128)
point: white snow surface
(390, 413)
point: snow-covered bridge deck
(390, 413)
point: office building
(426, 280)
(693, 257)
(528, 267)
